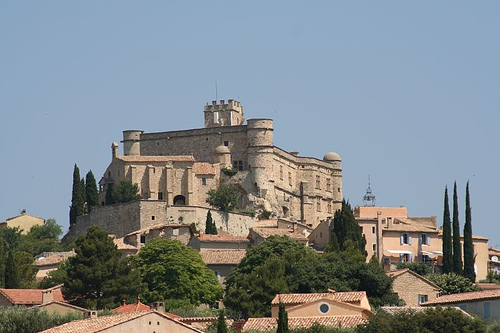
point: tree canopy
(452, 283)
(225, 197)
(210, 227)
(176, 274)
(77, 196)
(346, 232)
(125, 191)
(91, 192)
(97, 277)
(468, 245)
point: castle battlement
(223, 114)
(231, 105)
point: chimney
(23, 212)
(91, 314)
(294, 153)
(114, 150)
(158, 306)
(389, 222)
(47, 296)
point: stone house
(413, 288)
(334, 309)
(485, 304)
(30, 297)
(258, 235)
(23, 221)
(49, 261)
(141, 321)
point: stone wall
(409, 287)
(122, 219)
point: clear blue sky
(406, 92)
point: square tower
(230, 114)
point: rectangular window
(374, 247)
(486, 310)
(318, 206)
(422, 299)
(281, 172)
(424, 239)
(290, 178)
(216, 117)
(405, 257)
(373, 230)
(328, 185)
(330, 207)
(318, 182)
(160, 195)
(226, 143)
(143, 239)
(175, 232)
(203, 181)
(238, 165)
(405, 239)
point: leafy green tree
(432, 320)
(447, 243)
(27, 272)
(176, 274)
(12, 237)
(282, 319)
(452, 283)
(41, 238)
(418, 267)
(468, 246)
(210, 227)
(457, 246)
(12, 276)
(97, 277)
(346, 231)
(224, 198)
(125, 191)
(91, 193)
(221, 323)
(77, 197)
(31, 320)
(55, 277)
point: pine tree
(210, 227)
(457, 247)
(468, 246)
(77, 197)
(12, 275)
(282, 319)
(91, 193)
(447, 245)
(221, 323)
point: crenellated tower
(223, 114)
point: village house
(333, 309)
(23, 221)
(29, 297)
(485, 304)
(48, 261)
(413, 288)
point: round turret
(260, 132)
(331, 157)
(223, 156)
(222, 150)
(132, 142)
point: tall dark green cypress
(282, 319)
(210, 227)
(3, 256)
(468, 246)
(110, 199)
(77, 197)
(457, 247)
(221, 323)
(346, 231)
(12, 275)
(447, 245)
(91, 193)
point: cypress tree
(91, 192)
(109, 195)
(447, 246)
(346, 230)
(282, 319)
(457, 247)
(468, 246)
(12, 276)
(77, 197)
(210, 227)
(3, 249)
(221, 323)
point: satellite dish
(494, 258)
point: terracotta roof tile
(100, 323)
(406, 224)
(28, 296)
(51, 258)
(173, 158)
(121, 245)
(222, 257)
(204, 169)
(266, 324)
(134, 307)
(465, 297)
(222, 237)
(347, 297)
(268, 232)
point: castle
(177, 168)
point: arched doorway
(179, 200)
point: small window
(328, 185)
(324, 308)
(226, 143)
(321, 235)
(422, 299)
(153, 218)
(373, 230)
(318, 183)
(405, 239)
(290, 178)
(175, 232)
(338, 189)
(318, 206)
(160, 195)
(281, 172)
(238, 165)
(143, 239)
(374, 247)
(424, 239)
(203, 181)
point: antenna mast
(216, 90)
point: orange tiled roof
(28, 296)
(267, 324)
(222, 257)
(203, 169)
(176, 158)
(465, 297)
(101, 323)
(347, 297)
(134, 307)
(121, 245)
(52, 258)
(406, 224)
(222, 237)
(268, 232)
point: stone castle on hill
(174, 171)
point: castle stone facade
(179, 167)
